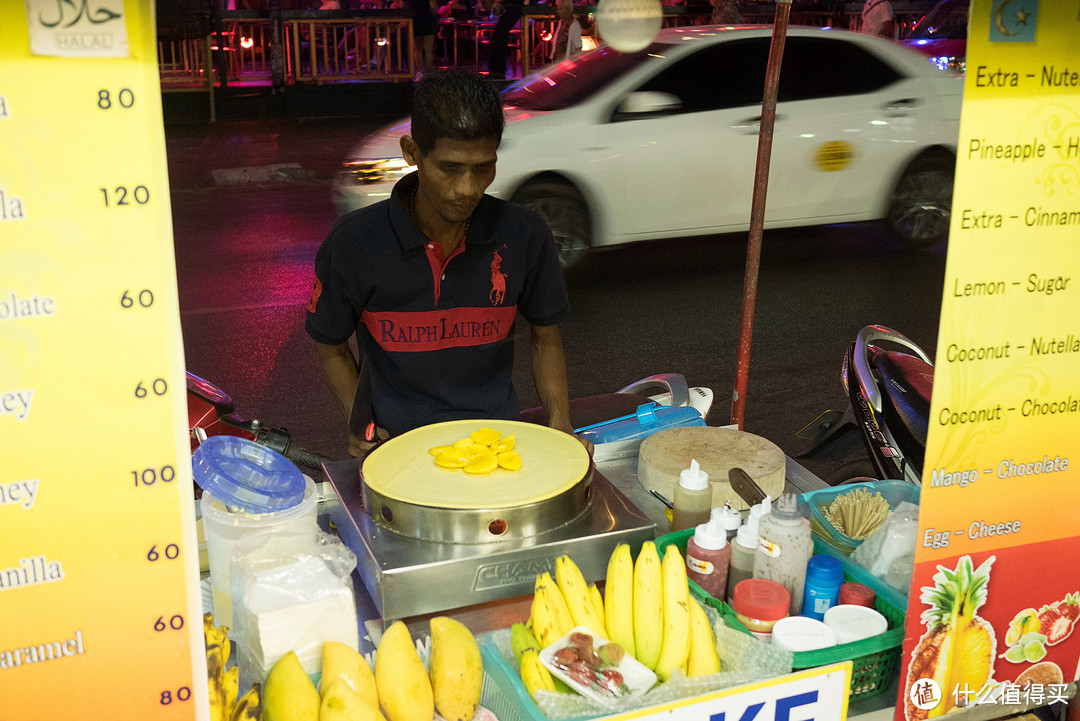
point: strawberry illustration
(1057, 619)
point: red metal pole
(757, 208)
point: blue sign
(1013, 21)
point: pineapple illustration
(958, 647)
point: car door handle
(904, 104)
(753, 124)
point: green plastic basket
(874, 660)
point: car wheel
(921, 203)
(564, 210)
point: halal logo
(76, 11)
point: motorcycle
(211, 412)
(888, 379)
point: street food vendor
(431, 280)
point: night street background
(244, 258)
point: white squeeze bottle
(784, 548)
(692, 504)
(743, 552)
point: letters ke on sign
(818, 694)
(77, 28)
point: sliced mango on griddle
(484, 463)
(485, 436)
(510, 460)
(452, 458)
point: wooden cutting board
(665, 454)
(552, 462)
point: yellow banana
(597, 602)
(457, 672)
(619, 598)
(231, 688)
(551, 619)
(217, 655)
(521, 640)
(704, 658)
(648, 605)
(576, 593)
(534, 674)
(676, 593)
(249, 707)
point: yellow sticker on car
(834, 155)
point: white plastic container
(225, 528)
(634, 677)
(250, 477)
(799, 633)
(854, 623)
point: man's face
(454, 175)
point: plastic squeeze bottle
(728, 518)
(743, 550)
(692, 504)
(784, 548)
(708, 556)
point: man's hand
(359, 447)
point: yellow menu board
(996, 590)
(100, 616)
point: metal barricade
(352, 49)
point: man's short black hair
(455, 104)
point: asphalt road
(244, 268)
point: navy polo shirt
(440, 345)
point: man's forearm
(339, 366)
(549, 375)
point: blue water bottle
(823, 579)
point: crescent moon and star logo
(1014, 21)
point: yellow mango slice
(505, 444)
(454, 458)
(509, 460)
(485, 463)
(439, 449)
(463, 443)
(486, 436)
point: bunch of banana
(549, 618)
(224, 684)
(667, 628)
(526, 650)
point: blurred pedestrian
(725, 12)
(424, 26)
(567, 32)
(509, 13)
(877, 18)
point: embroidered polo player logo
(498, 279)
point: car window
(947, 20)
(732, 74)
(573, 81)
(828, 68)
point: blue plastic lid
(244, 475)
(824, 571)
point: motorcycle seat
(906, 382)
(591, 409)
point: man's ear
(410, 149)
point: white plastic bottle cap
(762, 509)
(799, 633)
(710, 536)
(854, 623)
(727, 517)
(747, 535)
(693, 478)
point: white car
(614, 148)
